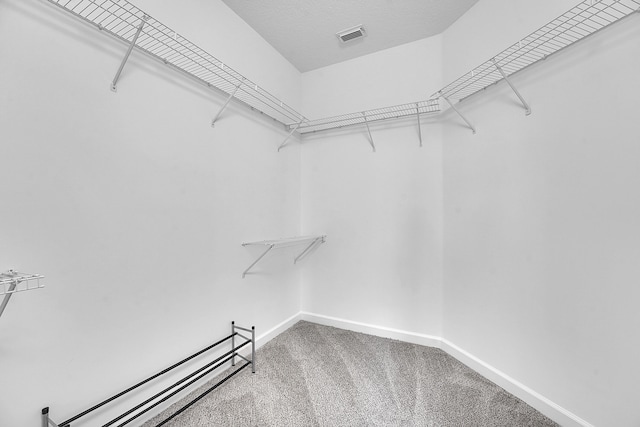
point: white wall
(382, 211)
(541, 213)
(131, 205)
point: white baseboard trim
(552, 410)
(277, 330)
(366, 328)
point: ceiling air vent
(351, 33)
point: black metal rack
(178, 386)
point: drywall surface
(382, 212)
(132, 206)
(404, 74)
(541, 230)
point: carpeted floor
(313, 375)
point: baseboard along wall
(547, 407)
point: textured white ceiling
(303, 31)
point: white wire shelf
(413, 109)
(126, 22)
(13, 282)
(588, 17)
(122, 20)
(312, 242)
(287, 241)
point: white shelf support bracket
(308, 249)
(290, 134)
(7, 296)
(366, 122)
(419, 128)
(256, 261)
(213, 122)
(114, 84)
(458, 111)
(527, 109)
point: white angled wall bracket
(318, 241)
(527, 109)
(213, 122)
(459, 113)
(419, 128)
(366, 122)
(290, 134)
(258, 259)
(126, 56)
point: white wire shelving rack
(12, 282)
(413, 109)
(581, 21)
(124, 21)
(312, 243)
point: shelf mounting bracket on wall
(12, 282)
(527, 109)
(419, 128)
(126, 56)
(290, 241)
(213, 122)
(290, 134)
(316, 242)
(459, 113)
(366, 122)
(258, 259)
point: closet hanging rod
(121, 19)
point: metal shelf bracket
(213, 122)
(258, 259)
(114, 87)
(319, 240)
(290, 134)
(527, 109)
(458, 111)
(366, 122)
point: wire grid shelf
(351, 119)
(585, 19)
(12, 282)
(287, 241)
(121, 19)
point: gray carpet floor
(313, 375)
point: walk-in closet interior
(173, 184)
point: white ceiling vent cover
(351, 33)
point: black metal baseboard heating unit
(162, 396)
